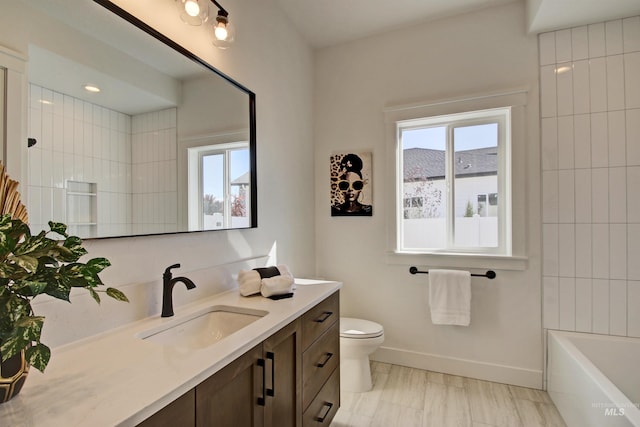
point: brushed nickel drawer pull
(328, 405)
(325, 316)
(329, 356)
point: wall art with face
(351, 184)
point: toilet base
(355, 374)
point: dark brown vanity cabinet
(259, 389)
(230, 397)
(180, 412)
(283, 363)
(321, 362)
(227, 398)
(291, 379)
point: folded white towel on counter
(450, 297)
(250, 281)
(284, 270)
(276, 285)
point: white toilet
(358, 339)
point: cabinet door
(282, 354)
(234, 395)
(180, 412)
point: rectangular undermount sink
(202, 328)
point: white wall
(590, 108)
(279, 70)
(469, 54)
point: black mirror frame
(252, 111)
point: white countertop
(117, 379)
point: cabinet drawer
(319, 319)
(324, 407)
(318, 362)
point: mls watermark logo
(613, 410)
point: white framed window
(507, 201)
(453, 183)
(219, 186)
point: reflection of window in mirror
(221, 175)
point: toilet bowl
(358, 339)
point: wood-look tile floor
(407, 397)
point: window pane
(424, 189)
(239, 191)
(454, 180)
(213, 191)
(475, 161)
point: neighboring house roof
(422, 164)
(241, 180)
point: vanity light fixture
(196, 12)
(223, 31)
(193, 12)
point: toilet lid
(359, 328)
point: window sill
(458, 260)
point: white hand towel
(276, 285)
(249, 282)
(450, 297)
(284, 271)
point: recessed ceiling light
(91, 88)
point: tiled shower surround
(154, 179)
(590, 109)
(123, 158)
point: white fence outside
(431, 233)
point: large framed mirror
(131, 133)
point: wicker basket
(10, 197)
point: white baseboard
(462, 367)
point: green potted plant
(31, 265)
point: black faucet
(167, 289)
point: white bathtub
(594, 380)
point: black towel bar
(490, 274)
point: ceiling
(329, 22)
(131, 57)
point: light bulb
(221, 32)
(192, 8)
(91, 88)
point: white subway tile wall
(84, 142)
(590, 108)
(154, 182)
